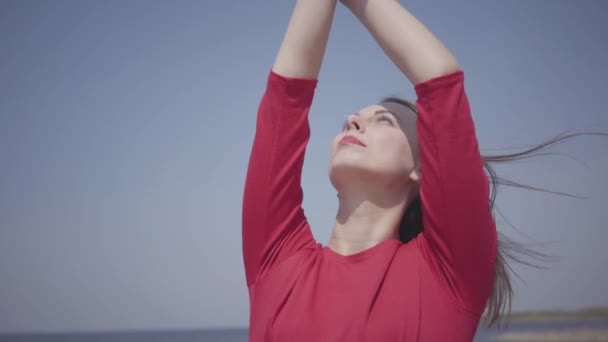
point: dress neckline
(366, 253)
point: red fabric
(433, 288)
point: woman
(373, 281)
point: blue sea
(240, 334)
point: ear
(415, 175)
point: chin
(348, 171)
(347, 162)
(350, 158)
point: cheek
(393, 150)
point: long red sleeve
(273, 222)
(459, 238)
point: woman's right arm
(273, 221)
(305, 40)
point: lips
(349, 139)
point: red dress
(433, 288)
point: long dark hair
(499, 303)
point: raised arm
(407, 42)
(273, 222)
(459, 238)
(305, 40)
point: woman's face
(377, 144)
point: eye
(385, 118)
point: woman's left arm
(408, 43)
(459, 239)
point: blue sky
(125, 129)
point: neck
(365, 218)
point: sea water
(240, 334)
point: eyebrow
(378, 112)
(384, 111)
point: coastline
(587, 314)
(579, 335)
(585, 325)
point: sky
(125, 130)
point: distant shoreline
(596, 313)
(580, 335)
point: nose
(354, 122)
